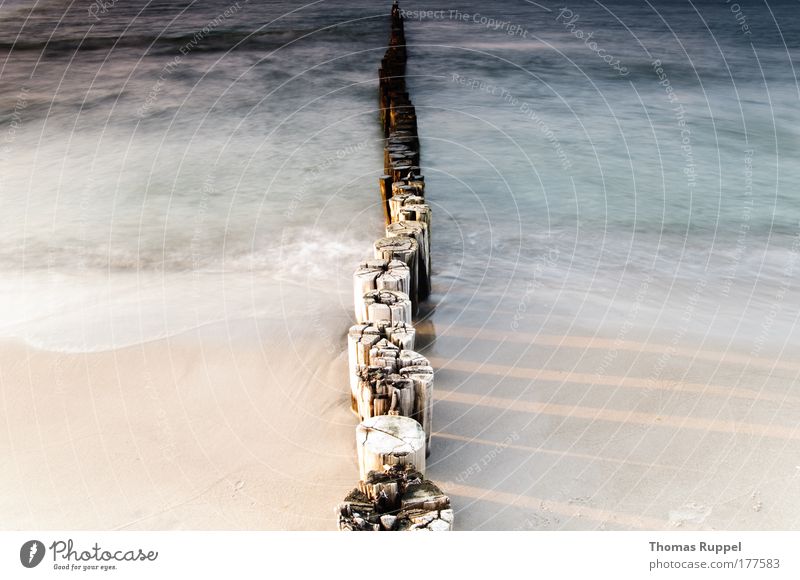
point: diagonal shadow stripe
(568, 510)
(563, 453)
(615, 416)
(588, 342)
(608, 380)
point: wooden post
(395, 499)
(410, 358)
(426, 508)
(381, 392)
(384, 354)
(388, 440)
(363, 338)
(378, 275)
(422, 377)
(404, 249)
(419, 212)
(364, 280)
(386, 194)
(360, 340)
(418, 231)
(396, 202)
(418, 183)
(413, 184)
(387, 305)
(372, 357)
(400, 199)
(396, 277)
(401, 334)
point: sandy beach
(175, 434)
(248, 427)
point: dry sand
(185, 433)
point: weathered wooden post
(385, 305)
(400, 200)
(368, 350)
(400, 334)
(418, 231)
(379, 275)
(406, 250)
(419, 212)
(396, 499)
(393, 390)
(410, 358)
(386, 194)
(422, 377)
(360, 340)
(363, 338)
(382, 392)
(388, 440)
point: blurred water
(168, 165)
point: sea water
(615, 167)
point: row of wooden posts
(391, 385)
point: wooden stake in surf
(403, 249)
(419, 232)
(388, 305)
(379, 275)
